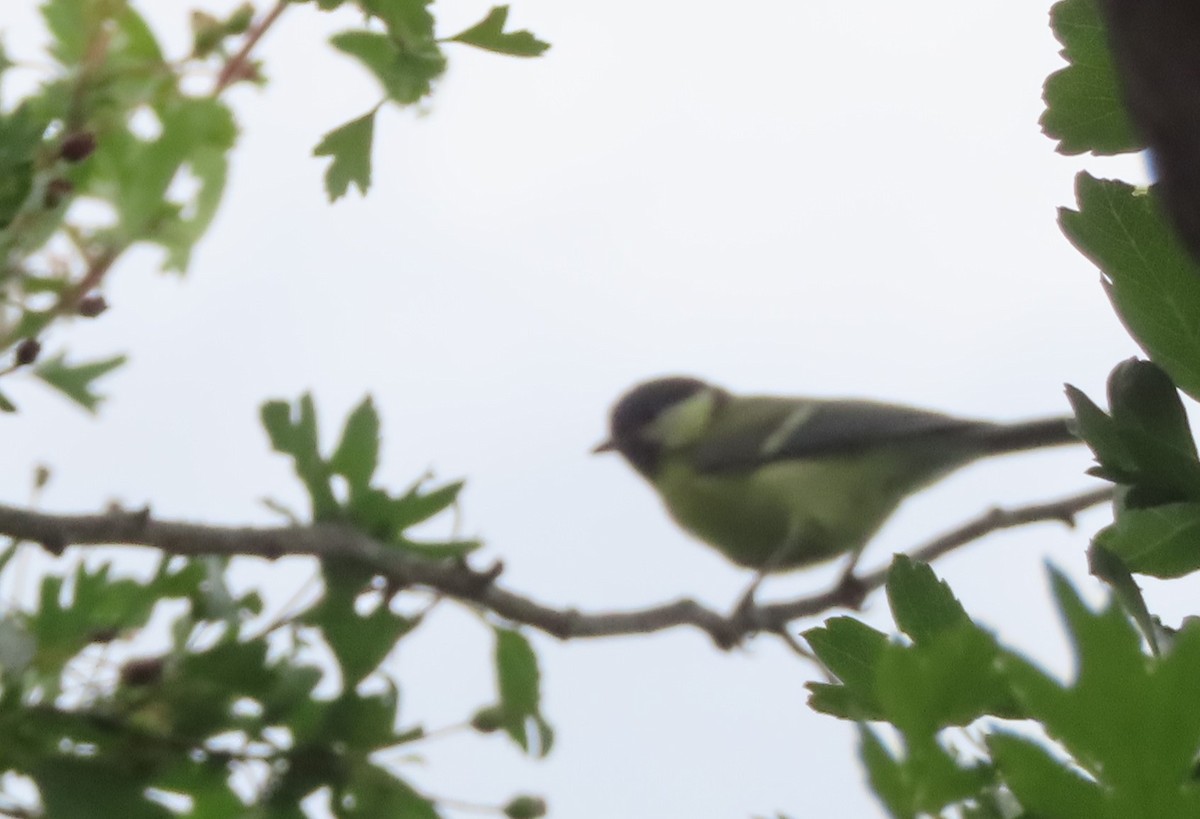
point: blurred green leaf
(71, 24)
(409, 23)
(406, 73)
(1142, 396)
(949, 679)
(350, 147)
(1113, 570)
(1083, 104)
(416, 506)
(525, 807)
(1145, 445)
(850, 649)
(88, 788)
(922, 605)
(357, 454)
(372, 792)
(364, 723)
(76, 380)
(888, 778)
(73, 614)
(519, 688)
(1043, 784)
(441, 549)
(294, 432)
(195, 137)
(489, 34)
(20, 137)
(359, 641)
(1120, 720)
(207, 787)
(1161, 541)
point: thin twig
(455, 579)
(235, 65)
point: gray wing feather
(766, 429)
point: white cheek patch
(784, 432)
(683, 423)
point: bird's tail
(1003, 438)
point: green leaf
(489, 34)
(372, 792)
(1146, 444)
(1106, 565)
(409, 23)
(211, 133)
(889, 780)
(43, 284)
(1101, 434)
(1121, 720)
(360, 642)
(32, 322)
(386, 518)
(364, 723)
(1151, 281)
(1161, 541)
(350, 147)
(20, 137)
(850, 650)
(207, 787)
(1143, 397)
(1045, 786)
(416, 507)
(196, 136)
(82, 788)
(949, 679)
(922, 605)
(518, 682)
(406, 73)
(440, 550)
(76, 380)
(1083, 103)
(357, 454)
(295, 434)
(71, 24)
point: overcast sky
(795, 197)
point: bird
(780, 483)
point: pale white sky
(801, 196)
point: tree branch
(337, 542)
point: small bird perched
(779, 483)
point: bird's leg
(746, 610)
(849, 588)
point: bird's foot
(746, 616)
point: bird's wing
(750, 431)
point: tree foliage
(167, 694)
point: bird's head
(658, 416)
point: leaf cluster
(976, 729)
(306, 704)
(402, 52)
(1121, 739)
(118, 147)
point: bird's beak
(605, 446)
